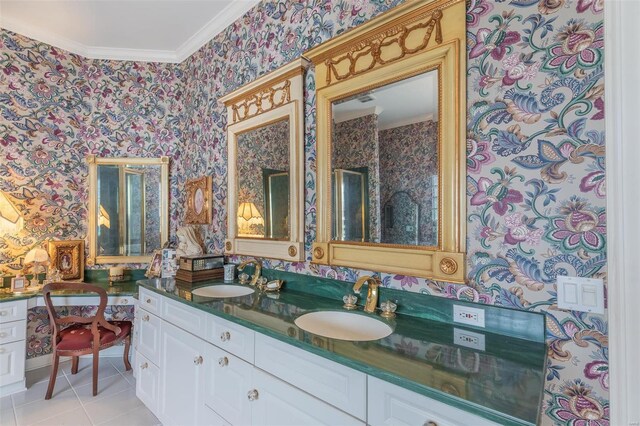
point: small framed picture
(198, 201)
(18, 284)
(155, 266)
(68, 258)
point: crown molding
(217, 24)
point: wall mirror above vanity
(128, 208)
(391, 111)
(266, 166)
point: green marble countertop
(504, 383)
(96, 277)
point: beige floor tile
(106, 386)
(112, 406)
(85, 372)
(140, 416)
(37, 392)
(118, 363)
(38, 411)
(75, 417)
(42, 374)
(6, 412)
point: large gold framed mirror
(128, 208)
(265, 135)
(391, 143)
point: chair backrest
(57, 320)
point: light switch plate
(581, 294)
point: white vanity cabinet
(214, 372)
(13, 325)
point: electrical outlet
(468, 339)
(469, 316)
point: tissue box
(169, 263)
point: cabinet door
(12, 362)
(226, 383)
(149, 336)
(278, 403)
(147, 382)
(181, 369)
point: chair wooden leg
(96, 359)
(74, 364)
(54, 374)
(127, 344)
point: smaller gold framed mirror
(265, 135)
(128, 208)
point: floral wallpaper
(535, 161)
(55, 109)
(38, 325)
(535, 152)
(408, 162)
(355, 145)
(263, 148)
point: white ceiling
(145, 30)
(405, 102)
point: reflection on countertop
(504, 382)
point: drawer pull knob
(1, 350)
(225, 336)
(143, 366)
(252, 395)
(198, 360)
(224, 361)
(4, 334)
(149, 301)
(3, 313)
(145, 318)
(430, 423)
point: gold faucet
(372, 291)
(256, 272)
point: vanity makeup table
(14, 316)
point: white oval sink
(343, 325)
(222, 291)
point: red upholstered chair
(74, 336)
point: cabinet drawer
(13, 311)
(13, 331)
(147, 382)
(391, 405)
(231, 337)
(336, 384)
(185, 317)
(149, 301)
(150, 327)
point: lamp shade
(249, 212)
(10, 218)
(36, 256)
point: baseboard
(46, 360)
(13, 388)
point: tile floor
(72, 403)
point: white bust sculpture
(188, 243)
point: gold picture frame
(199, 201)
(68, 257)
(154, 270)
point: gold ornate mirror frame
(411, 39)
(274, 97)
(93, 163)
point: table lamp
(248, 216)
(37, 258)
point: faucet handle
(350, 301)
(244, 278)
(388, 309)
